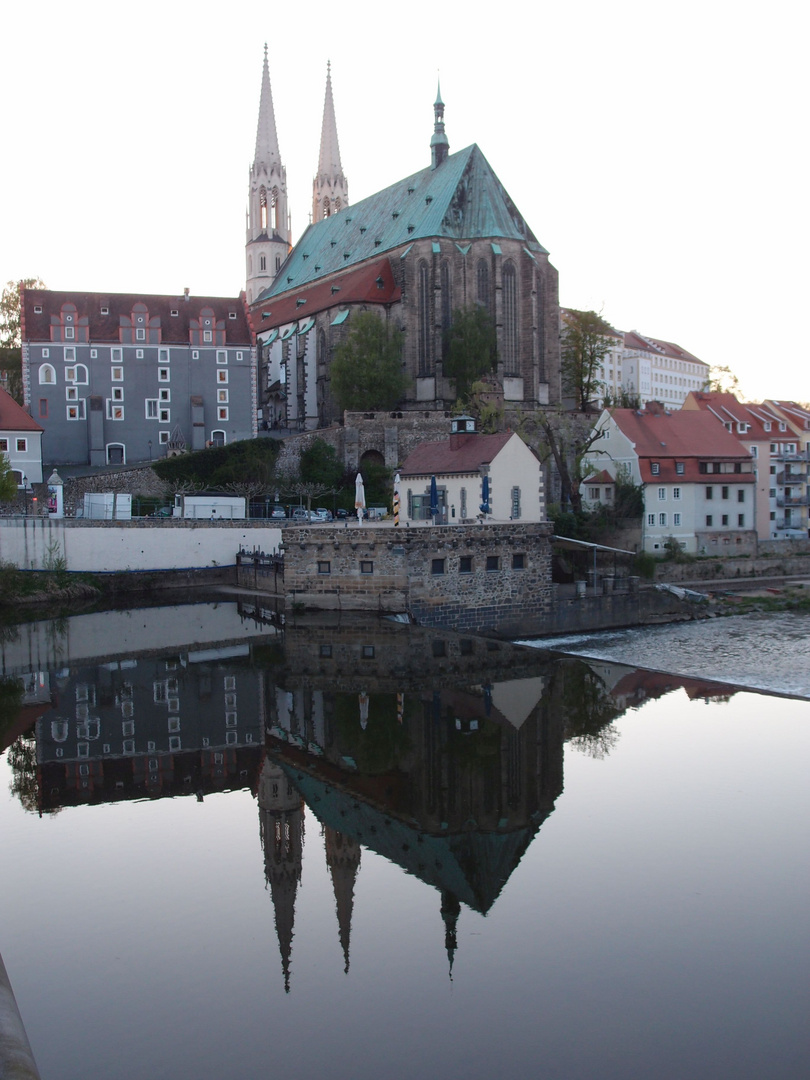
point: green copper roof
(461, 199)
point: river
(359, 849)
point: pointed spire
(439, 144)
(330, 190)
(329, 160)
(450, 910)
(266, 138)
(343, 860)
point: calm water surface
(363, 850)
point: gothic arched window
(326, 208)
(424, 316)
(263, 208)
(47, 374)
(274, 210)
(447, 305)
(510, 316)
(482, 283)
(262, 262)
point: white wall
(34, 543)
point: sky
(659, 152)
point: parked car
(341, 514)
(323, 514)
(301, 515)
(278, 513)
(162, 512)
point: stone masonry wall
(464, 577)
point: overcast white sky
(658, 151)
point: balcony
(792, 500)
(775, 456)
(791, 476)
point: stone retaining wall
(464, 577)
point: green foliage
(645, 565)
(722, 380)
(320, 465)
(621, 400)
(484, 404)
(586, 340)
(11, 695)
(629, 499)
(367, 370)
(378, 483)
(249, 462)
(10, 312)
(11, 366)
(8, 485)
(470, 347)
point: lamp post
(150, 449)
(25, 494)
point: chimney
(185, 293)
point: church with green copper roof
(445, 239)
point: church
(445, 238)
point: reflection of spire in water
(450, 912)
(343, 860)
(281, 818)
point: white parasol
(359, 497)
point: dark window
(424, 318)
(709, 519)
(725, 492)
(43, 408)
(519, 562)
(741, 495)
(465, 646)
(366, 566)
(325, 567)
(482, 282)
(439, 648)
(510, 317)
(493, 562)
(724, 519)
(709, 493)
(741, 520)
(465, 564)
(437, 567)
(326, 650)
(367, 652)
(447, 300)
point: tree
(8, 485)
(470, 347)
(722, 380)
(10, 339)
(367, 370)
(565, 438)
(586, 341)
(321, 465)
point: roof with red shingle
(370, 284)
(685, 438)
(40, 305)
(634, 340)
(13, 417)
(464, 455)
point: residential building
(114, 378)
(657, 370)
(20, 441)
(444, 238)
(777, 440)
(698, 481)
(473, 471)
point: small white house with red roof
(698, 482)
(494, 477)
(20, 441)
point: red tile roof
(371, 283)
(602, 477)
(13, 417)
(726, 408)
(174, 328)
(634, 340)
(687, 437)
(448, 457)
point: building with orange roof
(776, 434)
(20, 441)
(698, 481)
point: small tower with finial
(439, 144)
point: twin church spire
(269, 228)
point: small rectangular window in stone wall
(437, 567)
(325, 650)
(324, 567)
(367, 652)
(493, 562)
(515, 503)
(465, 564)
(366, 566)
(465, 647)
(519, 561)
(439, 648)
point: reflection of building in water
(281, 824)
(151, 727)
(450, 777)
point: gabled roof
(452, 456)
(462, 199)
(726, 408)
(370, 284)
(634, 340)
(686, 437)
(13, 417)
(601, 477)
(174, 328)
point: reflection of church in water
(449, 777)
